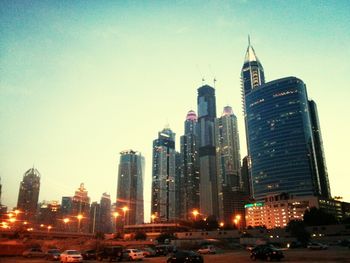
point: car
(89, 254)
(208, 249)
(133, 254)
(317, 246)
(71, 256)
(163, 250)
(53, 254)
(110, 253)
(33, 252)
(185, 256)
(266, 252)
(148, 252)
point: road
(332, 255)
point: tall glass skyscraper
(29, 194)
(189, 181)
(207, 151)
(281, 141)
(163, 205)
(320, 157)
(130, 187)
(228, 165)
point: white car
(209, 249)
(71, 256)
(134, 254)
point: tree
(297, 230)
(163, 236)
(318, 217)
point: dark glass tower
(207, 151)
(281, 140)
(29, 194)
(320, 157)
(189, 182)
(130, 187)
(105, 214)
(163, 205)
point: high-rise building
(179, 211)
(81, 210)
(207, 151)
(231, 201)
(66, 206)
(320, 156)
(49, 213)
(163, 176)
(245, 172)
(130, 187)
(281, 142)
(105, 214)
(29, 194)
(189, 182)
(95, 219)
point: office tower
(245, 172)
(66, 206)
(49, 213)
(163, 176)
(281, 140)
(228, 165)
(207, 151)
(29, 194)
(189, 183)
(130, 187)
(178, 186)
(81, 210)
(105, 214)
(320, 156)
(96, 225)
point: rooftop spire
(250, 54)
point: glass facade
(280, 139)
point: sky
(81, 81)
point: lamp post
(195, 213)
(125, 209)
(237, 220)
(48, 228)
(65, 221)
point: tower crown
(250, 55)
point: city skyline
(74, 96)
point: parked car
(71, 256)
(53, 254)
(132, 254)
(148, 252)
(110, 253)
(163, 250)
(266, 252)
(33, 252)
(317, 246)
(184, 256)
(89, 254)
(208, 249)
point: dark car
(110, 253)
(266, 252)
(184, 256)
(89, 254)
(33, 252)
(163, 250)
(53, 254)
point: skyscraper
(95, 218)
(320, 156)
(189, 182)
(29, 194)
(163, 176)
(81, 210)
(207, 151)
(281, 142)
(105, 214)
(130, 187)
(228, 165)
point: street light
(48, 228)
(195, 213)
(153, 217)
(237, 220)
(222, 224)
(115, 214)
(65, 221)
(125, 209)
(80, 217)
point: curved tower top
(191, 116)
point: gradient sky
(81, 81)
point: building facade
(281, 142)
(319, 152)
(130, 187)
(163, 207)
(106, 214)
(189, 182)
(29, 194)
(206, 102)
(80, 216)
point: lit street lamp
(80, 217)
(115, 214)
(125, 209)
(65, 221)
(195, 214)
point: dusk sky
(81, 81)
